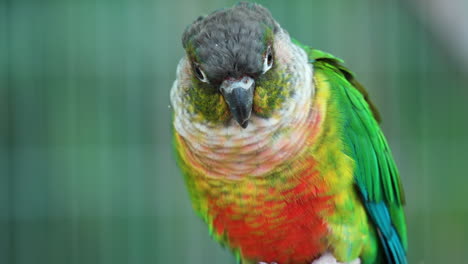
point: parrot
(280, 147)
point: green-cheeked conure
(280, 147)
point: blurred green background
(87, 171)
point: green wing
(376, 175)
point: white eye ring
(200, 74)
(268, 60)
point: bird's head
(237, 64)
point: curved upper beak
(238, 94)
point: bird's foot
(328, 258)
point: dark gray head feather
(230, 42)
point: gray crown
(230, 42)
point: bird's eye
(200, 74)
(267, 60)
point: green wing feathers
(315, 54)
(376, 175)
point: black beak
(238, 94)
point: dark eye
(200, 74)
(268, 60)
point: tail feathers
(389, 238)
